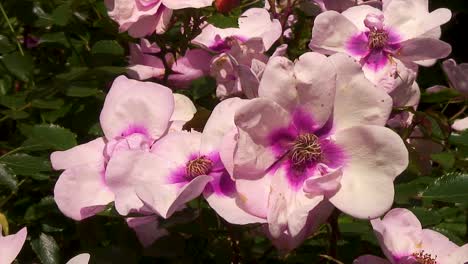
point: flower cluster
(289, 143)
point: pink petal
(180, 4)
(193, 65)
(163, 18)
(412, 18)
(375, 156)
(256, 22)
(221, 196)
(220, 123)
(458, 256)
(10, 246)
(418, 49)
(255, 121)
(460, 124)
(457, 75)
(357, 100)
(73, 188)
(357, 15)
(253, 195)
(331, 32)
(147, 229)
(80, 259)
(316, 83)
(184, 110)
(399, 233)
(437, 244)
(133, 104)
(126, 170)
(83, 154)
(278, 82)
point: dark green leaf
(23, 164)
(53, 137)
(445, 159)
(62, 14)
(19, 65)
(452, 187)
(46, 249)
(110, 47)
(5, 45)
(7, 178)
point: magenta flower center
(378, 38)
(306, 149)
(424, 258)
(199, 166)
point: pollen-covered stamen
(306, 149)
(378, 38)
(424, 258)
(199, 166)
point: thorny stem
(5, 16)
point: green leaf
(109, 47)
(41, 209)
(12, 102)
(46, 249)
(452, 187)
(426, 217)
(223, 21)
(56, 37)
(24, 164)
(53, 137)
(459, 139)
(62, 14)
(203, 87)
(445, 159)
(76, 91)
(14, 114)
(47, 104)
(19, 65)
(7, 178)
(5, 45)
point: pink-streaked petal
(131, 105)
(256, 22)
(278, 82)
(357, 100)
(288, 208)
(419, 49)
(460, 124)
(220, 123)
(256, 121)
(227, 149)
(331, 32)
(73, 188)
(80, 259)
(369, 259)
(357, 15)
(316, 83)
(221, 195)
(180, 4)
(147, 229)
(375, 156)
(178, 146)
(399, 233)
(10, 246)
(83, 154)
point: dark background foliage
(57, 60)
